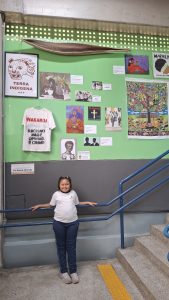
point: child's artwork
(147, 103)
(161, 65)
(94, 113)
(112, 118)
(74, 119)
(55, 86)
(136, 64)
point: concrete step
(167, 219)
(157, 230)
(155, 250)
(126, 280)
(152, 283)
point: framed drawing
(136, 64)
(21, 75)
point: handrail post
(121, 217)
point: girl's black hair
(64, 177)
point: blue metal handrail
(120, 196)
(166, 231)
(100, 203)
(166, 234)
(124, 180)
(87, 219)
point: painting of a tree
(147, 108)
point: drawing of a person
(68, 155)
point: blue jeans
(66, 236)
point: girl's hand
(35, 207)
(91, 203)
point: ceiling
(19, 18)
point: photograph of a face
(136, 64)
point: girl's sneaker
(74, 278)
(65, 277)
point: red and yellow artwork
(74, 119)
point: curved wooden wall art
(72, 49)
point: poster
(113, 118)
(147, 103)
(97, 85)
(83, 155)
(55, 86)
(106, 141)
(91, 141)
(136, 64)
(83, 96)
(74, 119)
(90, 129)
(76, 79)
(94, 113)
(68, 149)
(21, 75)
(161, 65)
(22, 169)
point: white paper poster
(76, 79)
(106, 141)
(21, 169)
(107, 86)
(83, 155)
(96, 98)
(90, 129)
(21, 75)
(118, 70)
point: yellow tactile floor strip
(114, 284)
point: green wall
(94, 67)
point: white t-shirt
(65, 210)
(38, 124)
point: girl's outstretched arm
(35, 207)
(89, 203)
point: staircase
(144, 268)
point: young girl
(65, 226)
